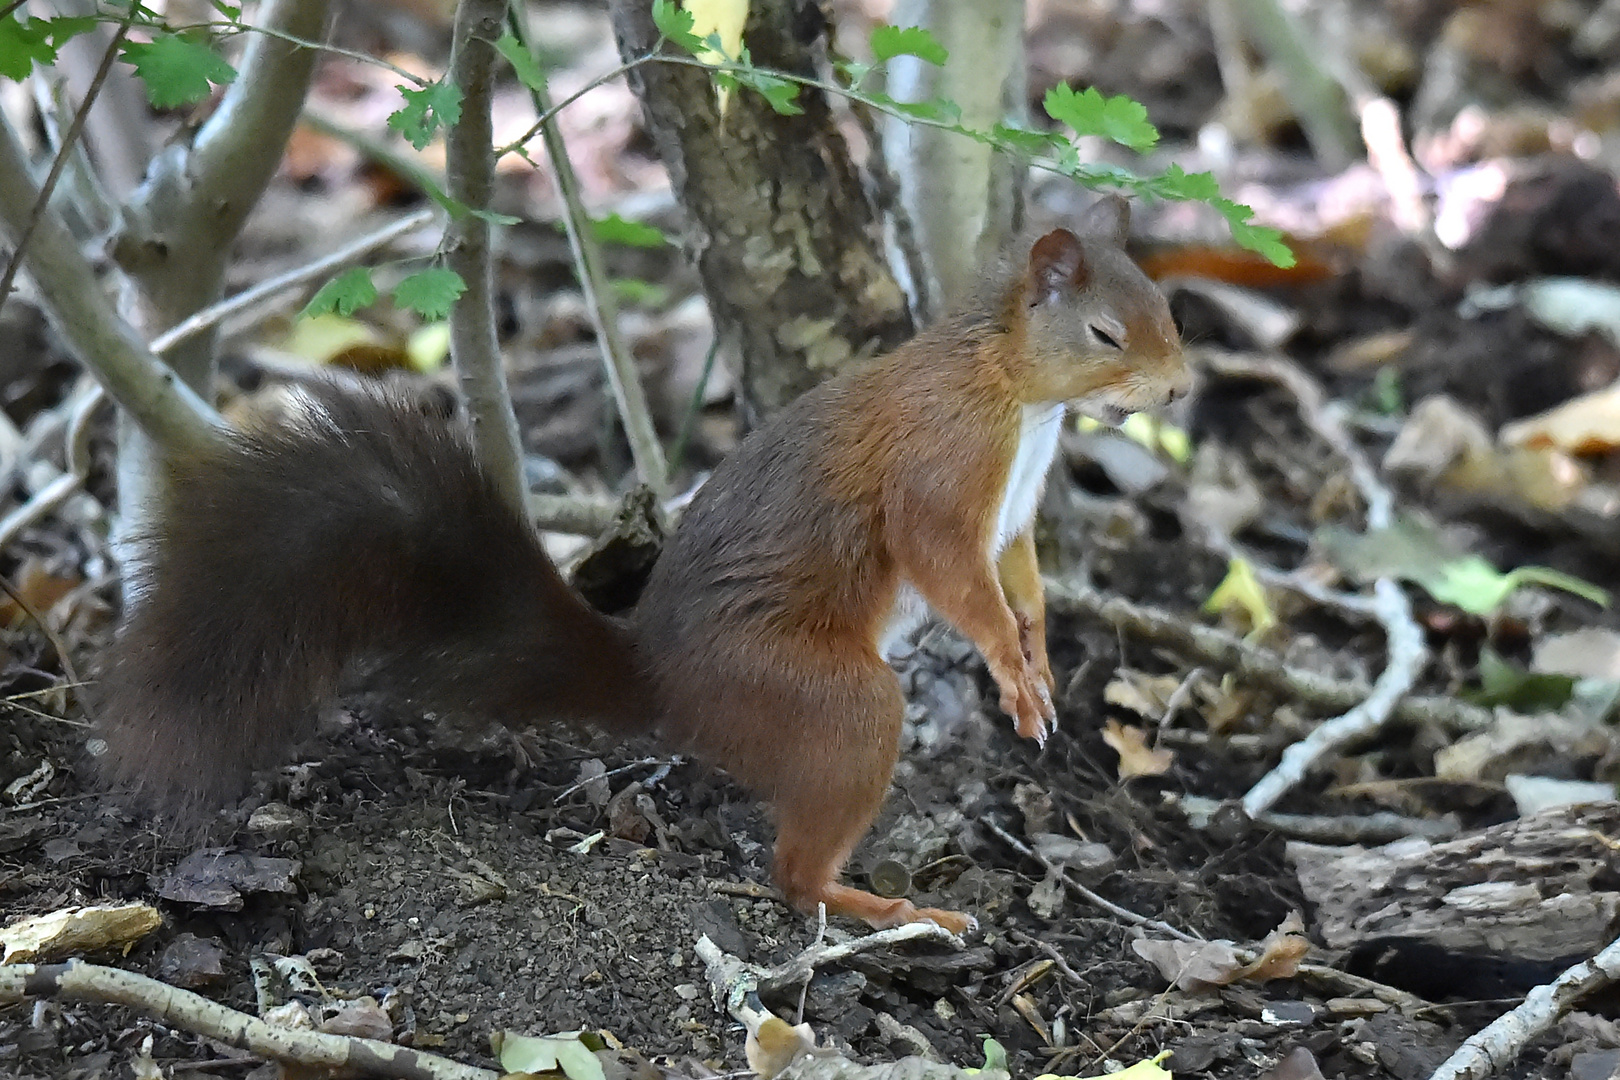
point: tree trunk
(964, 199)
(779, 224)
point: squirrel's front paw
(1033, 646)
(1025, 698)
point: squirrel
(361, 539)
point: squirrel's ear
(1057, 263)
(1109, 218)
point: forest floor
(547, 881)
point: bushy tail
(360, 538)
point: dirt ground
(543, 882)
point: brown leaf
(1136, 758)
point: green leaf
(23, 44)
(1267, 242)
(426, 110)
(345, 294)
(614, 229)
(1504, 683)
(1120, 118)
(492, 216)
(524, 65)
(232, 12)
(1479, 588)
(781, 94)
(1176, 183)
(1025, 140)
(675, 24)
(891, 41)
(995, 1055)
(639, 293)
(175, 69)
(430, 293)
(1411, 550)
(64, 28)
(852, 71)
(565, 1051)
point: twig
(214, 314)
(1315, 97)
(409, 169)
(55, 493)
(1090, 897)
(73, 297)
(470, 170)
(588, 781)
(617, 360)
(70, 139)
(76, 980)
(1379, 828)
(62, 655)
(1248, 661)
(1407, 654)
(736, 984)
(1052, 953)
(580, 515)
(1494, 1047)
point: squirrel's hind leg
(833, 790)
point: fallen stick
(194, 1013)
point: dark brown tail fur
(361, 539)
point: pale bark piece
(1535, 888)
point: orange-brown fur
(756, 642)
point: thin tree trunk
(963, 198)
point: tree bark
(785, 239)
(964, 199)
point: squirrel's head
(1099, 332)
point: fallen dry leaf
(1136, 758)
(1589, 424)
(776, 1044)
(1190, 965)
(1281, 953)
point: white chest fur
(1037, 446)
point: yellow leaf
(1242, 591)
(725, 18)
(321, 338)
(429, 347)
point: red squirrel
(361, 539)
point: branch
(77, 980)
(1207, 645)
(164, 406)
(470, 168)
(1312, 93)
(68, 142)
(1493, 1047)
(76, 440)
(238, 150)
(617, 359)
(180, 225)
(351, 252)
(1404, 645)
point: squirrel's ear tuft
(1109, 218)
(1057, 263)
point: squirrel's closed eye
(1104, 336)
